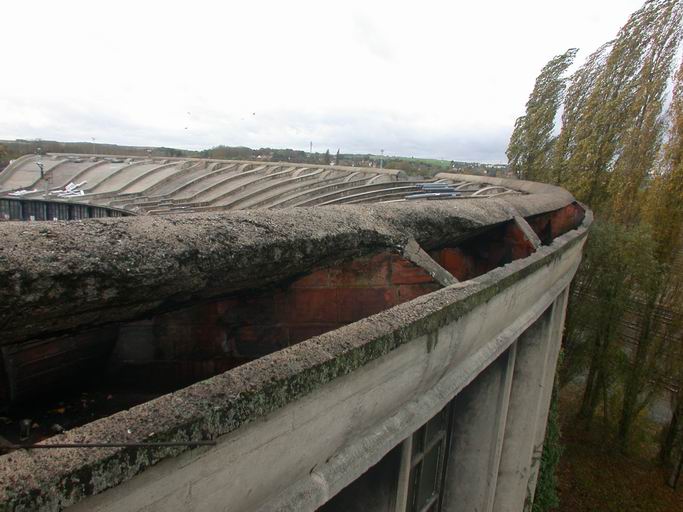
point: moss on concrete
(51, 480)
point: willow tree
(580, 90)
(530, 149)
(614, 153)
(665, 201)
(610, 129)
(665, 195)
(642, 137)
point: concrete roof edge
(219, 405)
(114, 269)
(528, 187)
(39, 255)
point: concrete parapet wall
(106, 270)
(378, 339)
(400, 366)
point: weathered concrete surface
(162, 184)
(196, 342)
(478, 427)
(413, 252)
(534, 374)
(67, 275)
(367, 386)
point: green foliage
(532, 140)
(613, 121)
(619, 264)
(665, 196)
(614, 153)
(545, 498)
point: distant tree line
(416, 167)
(619, 149)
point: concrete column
(477, 438)
(559, 310)
(534, 373)
(402, 489)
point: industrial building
(275, 336)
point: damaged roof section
(61, 276)
(71, 294)
(214, 407)
(269, 303)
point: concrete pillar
(534, 373)
(477, 438)
(404, 475)
(559, 309)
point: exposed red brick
(212, 337)
(311, 306)
(259, 308)
(404, 271)
(408, 292)
(223, 305)
(456, 262)
(368, 272)
(516, 242)
(258, 340)
(198, 329)
(317, 279)
(33, 367)
(566, 219)
(170, 374)
(299, 333)
(541, 226)
(357, 303)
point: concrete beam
(413, 252)
(529, 233)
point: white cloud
(443, 79)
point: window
(427, 464)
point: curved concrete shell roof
(159, 186)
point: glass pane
(429, 476)
(418, 441)
(436, 425)
(413, 488)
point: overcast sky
(433, 79)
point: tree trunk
(632, 388)
(591, 389)
(671, 434)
